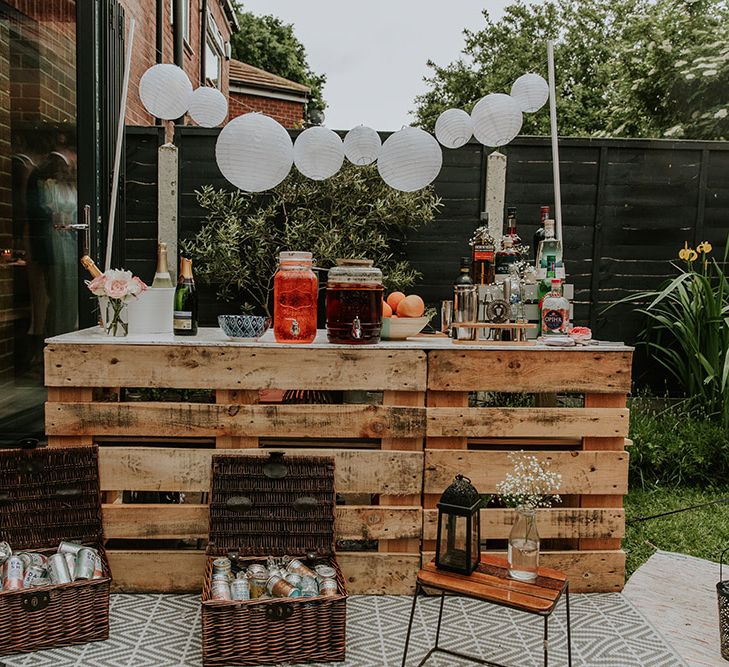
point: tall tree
(642, 68)
(269, 43)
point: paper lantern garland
(254, 152)
(362, 145)
(530, 91)
(410, 159)
(165, 91)
(453, 128)
(318, 153)
(208, 107)
(497, 119)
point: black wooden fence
(628, 206)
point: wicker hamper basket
(46, 496)
(261, 506)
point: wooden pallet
(585, 444)
(393, 459)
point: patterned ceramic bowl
(243, 327)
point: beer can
(258, 577)
(222, 565)
(98, 568)
(220, 590)
(36, 559)
(41, 581)
(33, 573)
(325, 572)
(278, 587)
(58, 569)
(294, 579)
(5, 552)
(240, 589)
(85, 564)
(309, 587)
(25, 557)
(70, 564)
(13, 574)
(295, 565)
(69, 548)
(328, 587)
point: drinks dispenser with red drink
(354, 302)
(295, 290)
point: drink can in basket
(5, 552)
(69, 548)
(295, 565)
(325, 572)
(70, 564)
(13, 574)
(309, 587)
(25, 557)
(85, 564)
(278, 587)
(220, 590)
(31, 575)
(98, 568)
(328, 588)
(258, 576)
(240, 589)
(58, 569)
(294, 578)
(38, 560)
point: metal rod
(569, 631)
(440, 618)
(410, 625)
(119, 144)
(555, 145)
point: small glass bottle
(483, 253)
(539, 234)
(555, 312)
(505, 258)
(464, 273)
(523, 555)
(295, 292)
(184, 321)
(511, 226)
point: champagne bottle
(162, 274)
(90, 266)
(185, 316)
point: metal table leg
(546, 640)
(569, 632)
(410, 624)
(440, 618)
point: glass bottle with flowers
(115, 289)
(529, 486)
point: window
(213, 63)
(185, 17)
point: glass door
(39, 203)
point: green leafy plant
(352, 214)
(687, 329)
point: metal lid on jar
(295, 257)
(360, 271)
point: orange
(394, 299)
(386, 310)
(411, 306)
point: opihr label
(554, 320)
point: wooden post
(167, 170)
(495, 193)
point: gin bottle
(555, 312)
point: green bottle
(184, 322)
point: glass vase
(524, 545)
(116, 322)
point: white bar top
(214, 337)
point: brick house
(254, 89)
(205, 41)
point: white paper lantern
(165, 91)
(530, 91)
(362, 145)
(208, 106)
(318, 153)
(254, 152)
(410, 159)
(496, 119)
(453, 128)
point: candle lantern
(458, 547)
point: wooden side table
(491, 583)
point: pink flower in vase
(117, 289)
(96, 286)
(137, 286)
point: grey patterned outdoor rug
(164, 631)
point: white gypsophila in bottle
(531, 483)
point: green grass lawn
(703, 533)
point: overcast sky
(374, 53)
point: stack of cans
(28, 569)
(278, 578)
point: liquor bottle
(184, 322)
(162, 274)
(464, 274)
(505, 258)
(549, 246)
(90, 266)
(483, 253)
(511, 227)
(545, 284)
(555, 311)
(539, 234)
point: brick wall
(289, 114)
(144, 11)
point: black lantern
(459, 528)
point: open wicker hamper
(47, 496)
(261, 506)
